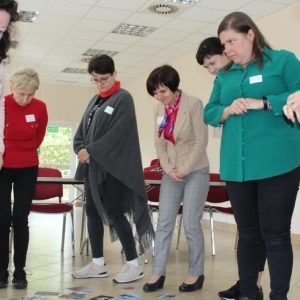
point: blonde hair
(24, 78)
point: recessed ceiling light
(188, 2)
(27, 16)
(93, 52)
(135, 30)
(75, 71)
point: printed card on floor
(33, 298)
(101, 297)
(129, 296)
(8, 298)
(72, 296)
(127, 288)
(79, 288)
(161, 296)
(47, 293)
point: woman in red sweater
(25, 125)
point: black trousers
(111, 187)
(22, 181)
(263, 211)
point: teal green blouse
(258, 144)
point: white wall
(66, 103)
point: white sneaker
(91, 270)
(129, 273)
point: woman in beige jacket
(181, 138)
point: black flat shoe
(192, 287)
(152, 287)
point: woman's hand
(83, 156)
(176, 175)
(237, 107)
(292, 107)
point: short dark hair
(101, 64)
(11, 7)
(164, 75)
(209, 47)
(242, 23)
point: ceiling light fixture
(135, 30)
(75, 71)
(27, 16)
(163, 9)
(93, 52)
(187, 2)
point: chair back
(216, 195)
(153, 172)
(48, 191)
(155, 163)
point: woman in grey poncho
(107, 146)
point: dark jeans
(111, 187)
(263, 211)
(23, 181)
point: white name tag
(159, 120)
(255, 79)
(109, 110)
(30, 118)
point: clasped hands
(176, 175)
(292, 107)
(83, 156)
(241, 105)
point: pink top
(1, 108)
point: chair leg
(72, 232)
(82, 223)
(212, 233)
(11, 239)
(63, 233)
(236, 239)
(179, 230)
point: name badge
(159, 120)
(30, 118)
(109, 110)
(255, 79)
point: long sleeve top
(191, 137)
(260, 143)
(1, 108)
(24, 131)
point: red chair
(154, 172)
(216, 195)
(48, 191)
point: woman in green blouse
(260, 149)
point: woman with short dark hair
(180, 139)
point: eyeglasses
(101, 80)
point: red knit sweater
(24, 131)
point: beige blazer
(190, 134)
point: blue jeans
(263, 211)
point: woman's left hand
(83, 156)
(292, 106)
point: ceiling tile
(110, 46)
(131, 5)
(170, 53)
(61, 57)
(265, 8)
(211, 29)
(42, 68)
(130, 56)
(34, 46)
(29, 54)
(67, 9)
(147, 20)
(151, 42)
(184, 25)
(49, 30)
(50, 19)
(183, 46)
(121, 38)
(96, 25)
(170, 35)
(87, 34)
(41, 38)
(195, 38)
(136, 71)
(141, 50)
(69, 50)
(32, 5)
(156, 59)
(146, 65)
(76, 42)
(203, 14)
(86, 2)
(108, 14)
(228, 5)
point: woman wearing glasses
(107, 147)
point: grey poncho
(113, 144)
